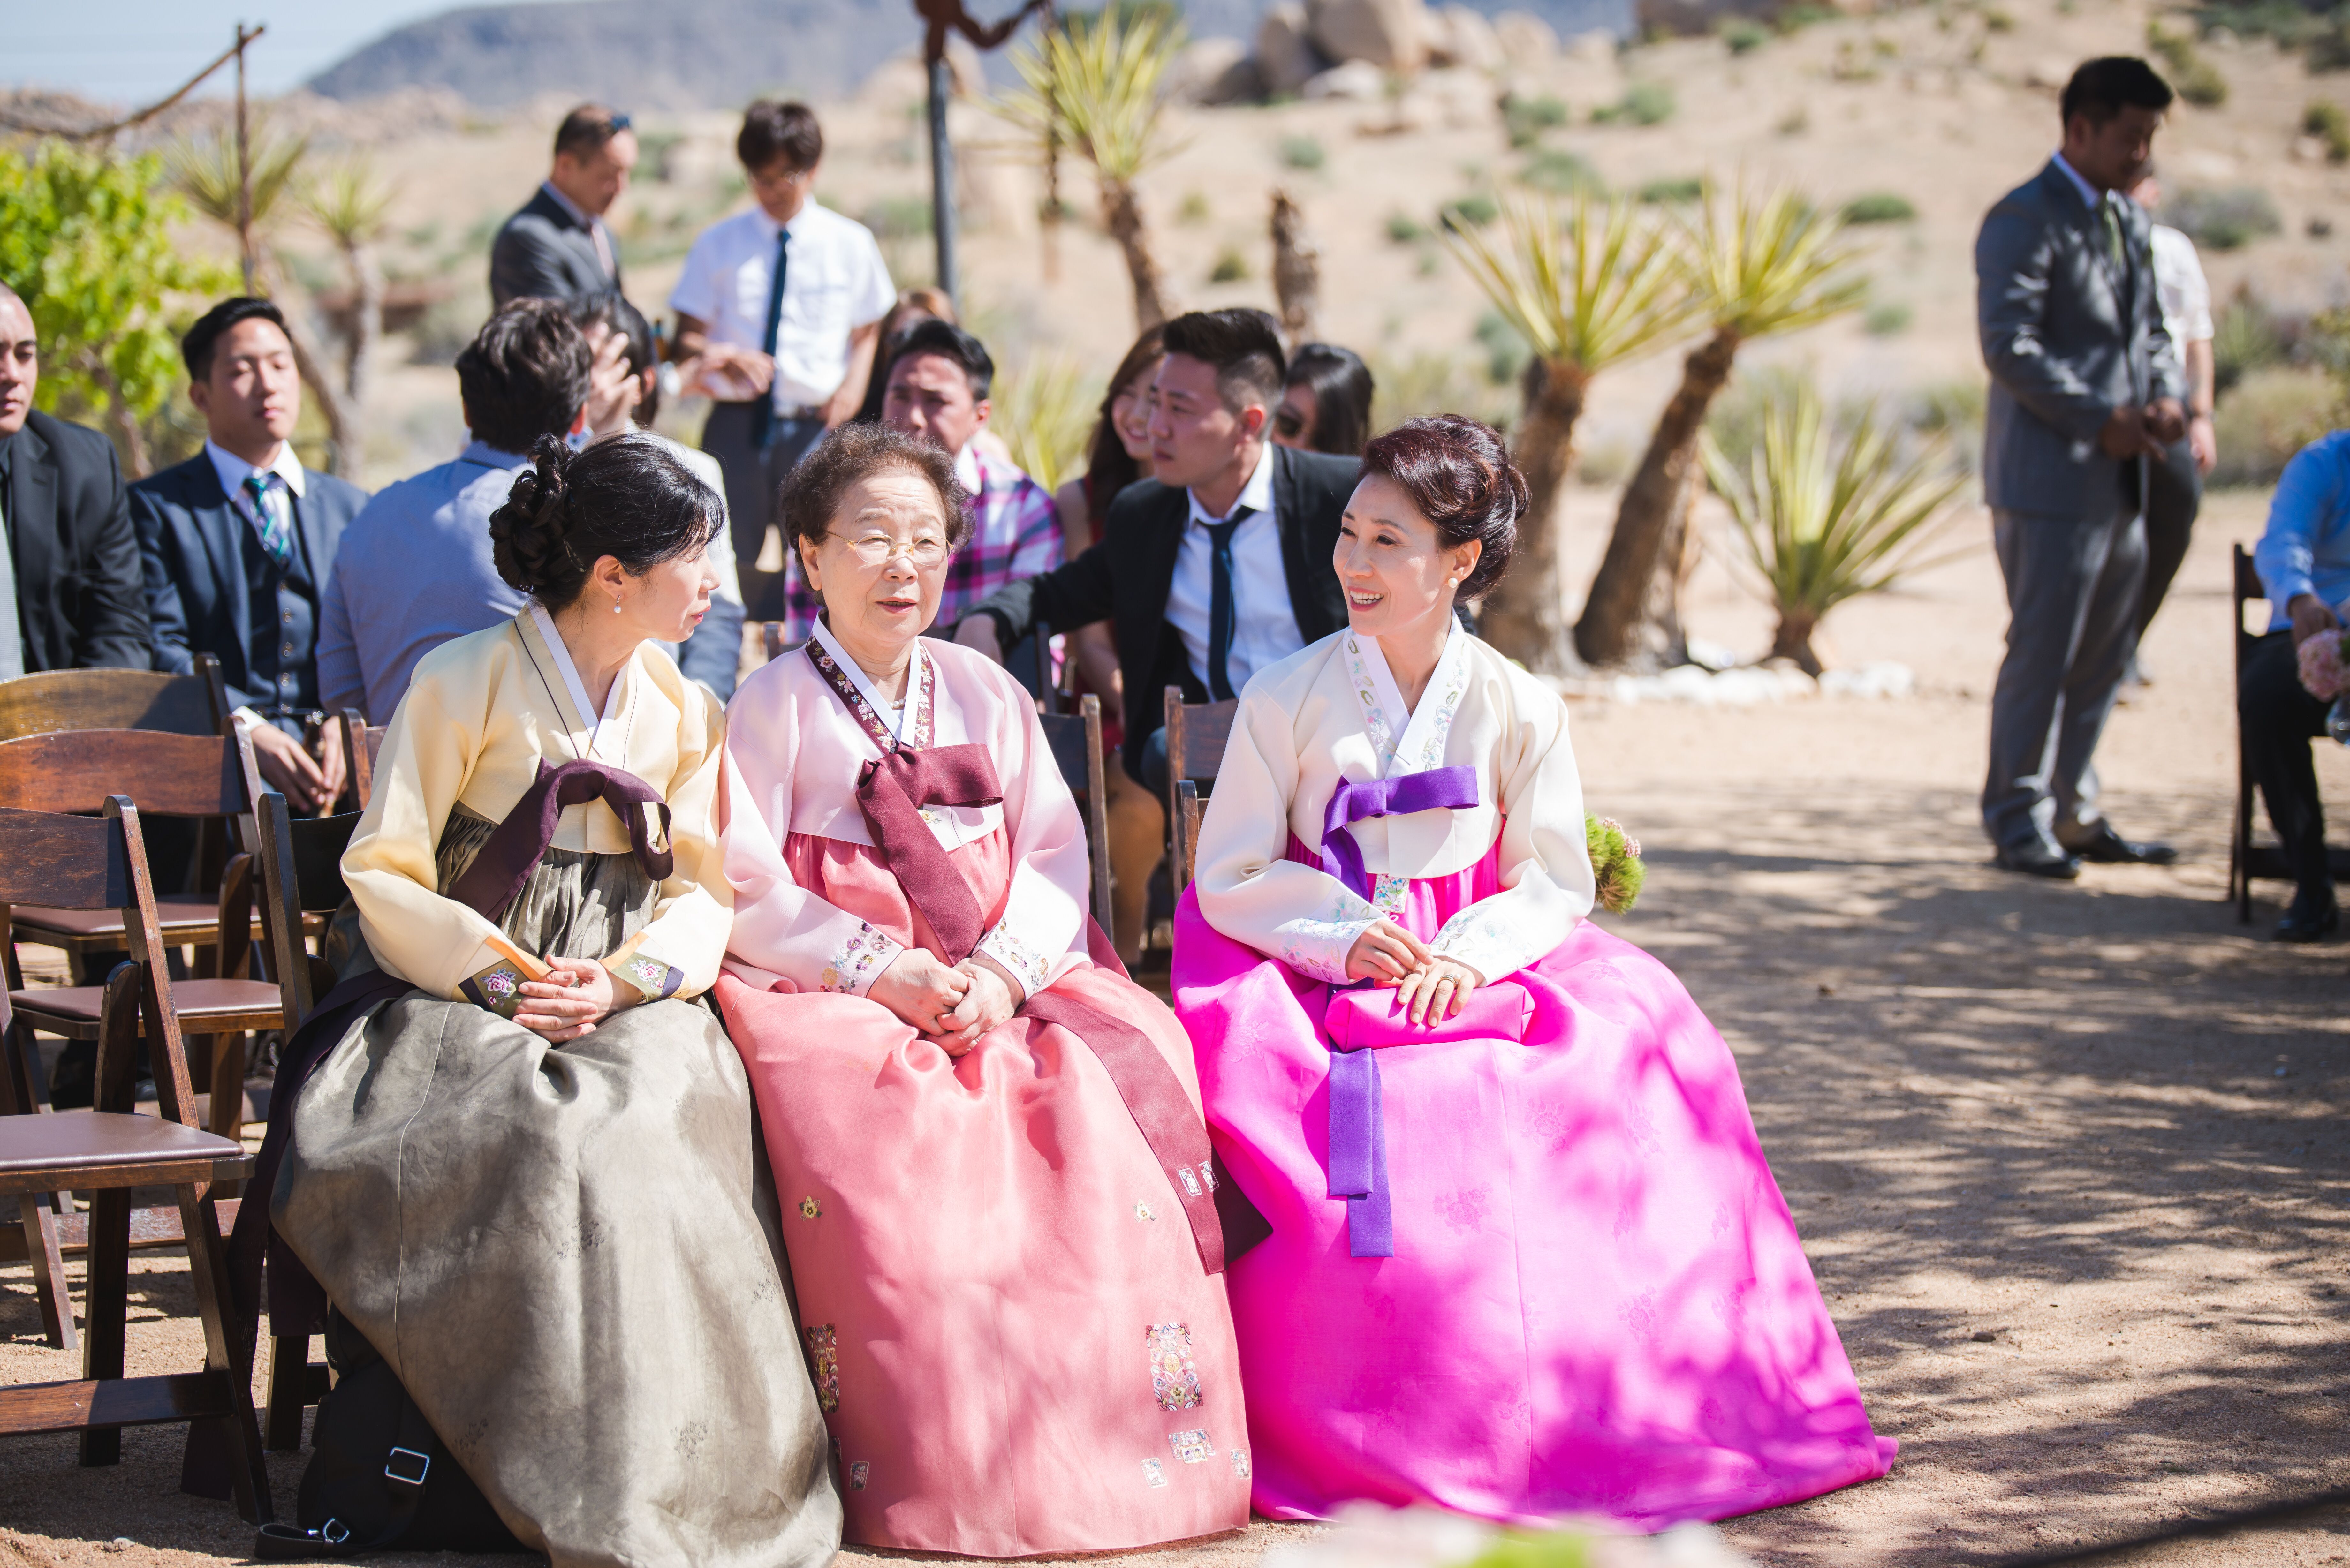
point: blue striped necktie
(268, 520)
(762, 425)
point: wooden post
(243, 161)
(942, 210)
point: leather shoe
(2038, 862)
(2311, 919)
(2110, 848)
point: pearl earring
(616, 607)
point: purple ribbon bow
(1358, 1140)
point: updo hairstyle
(625, 496)
(852, 452)
(1459, 477)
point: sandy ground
(2068, 1160)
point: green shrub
(2271, 414)
(1804, 13)
(1506, 351)
(1406, 230)
(1664, 192)
(1646, 103)
(1562, 173)
(2328, 123)
(1476, 209)
(1879, 207)
(1525, 119)
(2223, 219)
(1302, 152)
(2201, 83)
(2246, 336)
(1887, 319)
(1742, 33)
(1194, 210)
(1999, 19)
(1230, 266)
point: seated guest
(997, 1192)
(69, 578)
(1532, 1263)
(237, 540)
(1215, 567)
(519, 1160)
(783, 307)
(558, 246)
(914, 306)
(1326, 400)
(624, 396)
(2303, 560)
(415, 569)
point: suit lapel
(1289, 513)
(220, 525)
(33, 519)
(309, 521)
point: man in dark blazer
(237, 542)
(2085, 388)
(70, 575)
(558, 246)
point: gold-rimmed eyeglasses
(923, 551)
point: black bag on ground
(379, 1479)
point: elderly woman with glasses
(999, 1196)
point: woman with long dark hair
(1325, 401)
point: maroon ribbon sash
(494, 881)
(891, 791)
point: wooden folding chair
(91, 863)
(1075, 740)
(2247, 859)
(362, 745)
(1197, 733)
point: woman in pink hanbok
(1527, 1259)
(997, 1186)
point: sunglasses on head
(620, 122)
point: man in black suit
(1213, 569)
(237, 541)
(70, 577)
(558, 246)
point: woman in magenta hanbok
(997, 1188)
(1526, 1257)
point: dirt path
(2069, 1160)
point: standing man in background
(558, 246)
(783, 305)
(237, 542)
(2085, 390)
(2175, 481)
(69, 585)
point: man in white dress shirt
(782, 305)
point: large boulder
(1525, 38)
(1463, 37)
(1358, 81)
(1202, 73)
(1389, 34)
(1286, 56)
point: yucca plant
(1586, 288)
(1044, 413)
(1824, 518)
(350, 204)
(1755, 265)
(1093, 82)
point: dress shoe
(2312, 917)
(2110, 848)
(2038, 862)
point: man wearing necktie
(2085, 388)
(559, 246)
(778, 309)
(238, 541)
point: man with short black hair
(415, 567)
(782, 306)
(2085, 388)
(237, 542)
(71, 594)
(558, 246)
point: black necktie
(762, 424)
(1220, 602)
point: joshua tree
(1296, 270)
(349, 204)
(1588, 289)
(1820, 527)
(1756, 266)
(1097, 80)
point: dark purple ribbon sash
(1358, 1139)
(891, 791)
(494, 881)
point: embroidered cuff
(498, 985)
(1023, 962)
(653, 977)
(1482, 942)
(1318, 949)
(860, 960)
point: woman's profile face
(668, 600)
(1129, 414)
(1397, 571)
(883, 563)
(1292, 420)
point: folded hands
(1429, 987)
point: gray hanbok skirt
(569, 1254)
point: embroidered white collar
(898, 717)
(1417, 743)
(607, 743)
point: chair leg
(289, 1367)
(106, 1309)
(208, 1263)
(49, 1271)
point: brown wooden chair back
(1197, 733)
(362, 748)
(2246, 859)
(1075, 740)
(301, 871)
(55, 699)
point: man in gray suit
(558, 246)
(2085, 388)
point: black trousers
(2174, 495)
(2280, 719)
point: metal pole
(244, 163)
(942, 213)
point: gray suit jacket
(2068, 339)
(544, 253)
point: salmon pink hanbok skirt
(1013, 1341)
(1598, 1304)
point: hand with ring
(1436, 991)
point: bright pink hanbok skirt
(1597, 1304)
(1013, 1343)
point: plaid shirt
(1016, 534)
